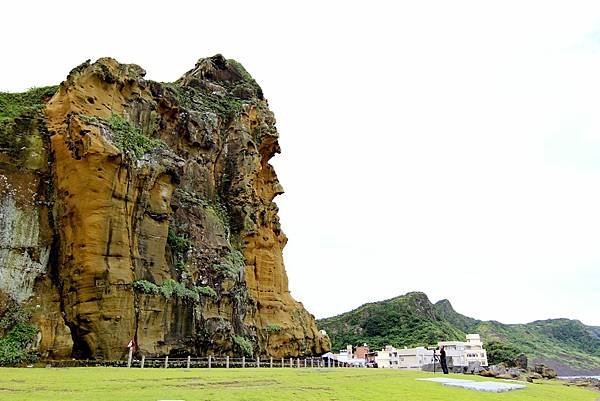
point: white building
(458, 353)
(463, 353)
(404, 358)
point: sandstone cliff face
(151, 217)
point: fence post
(130, 357)
(243, 362)
(282, 364)
(311, 362)
(209, 361)
(328, 362)
(227, 361)
(304, 362)
(188, 361)
(271, 362)
(258, 361)
(143, 360)
(166, 361)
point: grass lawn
(91, 384)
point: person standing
(443, 360)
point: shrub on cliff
(273, 328)
(20, 114)
(146, 287)
(243, 344)
(207, 292)
(168, 289)
(15, 104)
(18, 336)
(232, 263)
(128, 137)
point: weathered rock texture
(145, 210)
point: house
(347, 356)
(361, 351)
(458, 353)
(404, 358)
(465, 353)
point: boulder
(488, 373)
(521, 361)
(545, 371)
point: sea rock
(145, 211)
(545, 371)
(488, 373)
(521, 361)
(588, 382)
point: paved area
(489, 386)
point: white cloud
(426, 145)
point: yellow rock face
(162, 214)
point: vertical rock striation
(152, 218)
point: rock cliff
(132, 209)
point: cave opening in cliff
(81, 349)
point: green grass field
(91, 384)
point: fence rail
(233, 362)
(205, 362)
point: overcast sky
(448, 147)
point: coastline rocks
(588, 382)
(521, 361)
(545, 371)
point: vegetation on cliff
(13, 105)
(19, 115)
(16, 336)
(128, 137)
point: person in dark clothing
(443, 360)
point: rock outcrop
(144, 210)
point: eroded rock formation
(136, 209)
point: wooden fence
(230, 362)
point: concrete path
(489, 386)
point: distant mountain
(410, 320)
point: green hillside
(408, 320)
(411, 319)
